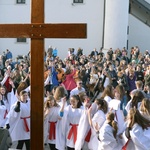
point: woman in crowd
(3, 112)
(72, 115)
(137, 131)
(59, 95)
(115, 106)
(106, 78)
(108, 93)
(108, 134)
(97, 120)
(135, 100)
(51, 115)
(19, 121)
(145, 108)
(69, 82)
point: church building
(110, 24)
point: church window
(21, 40)
(77, 1)
(20, 1)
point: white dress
(107, 139)
(72, 117)
(60, 131)
(20, 122)
(99, 117)
(119, 117)
(140, 137)
(107, 99)
(128, 106)
(11, 99)
(3, 113)
(50, 125)
(84, 129)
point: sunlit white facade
(108, 25)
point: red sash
(52, 130)
(73, 131)
(125, 146)
(25, 123)
(6, 112)
(88, 136)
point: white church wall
(139, 34)
(57, 11)
(90, 12)
(10, 12)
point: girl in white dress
(19, 121)
(108, 134)
(51, 115)
(3, 113)
(137, 131)
(97, 120)
(8, 97)
(84, 129)
(59, 95)
(114, 105)
(72, 114)
(108, 93)
(135, 100)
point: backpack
(5, 139)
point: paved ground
(15, 144)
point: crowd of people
(95, 102)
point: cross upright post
(37, 31)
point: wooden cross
(37, 31)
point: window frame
(20, 1)
(78, 1)
(21, 40)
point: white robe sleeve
(99, 118)
(138, 137)
(12, 97)
(128, 106)
(83, 129)
(61, 130)
(47, 81)
(2, 113)
(4, 79)
(107, 140)
(27, 89)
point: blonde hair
(135, 117)
(120, 90)
(82, 95)
(48, 99)
(59, 93)
(139, 84)
(110, 117)
(138, 96)
(145, 106)
(102, 105)
(108, 92)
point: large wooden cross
(37, 31)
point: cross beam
(37, 31)
(41, 30)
